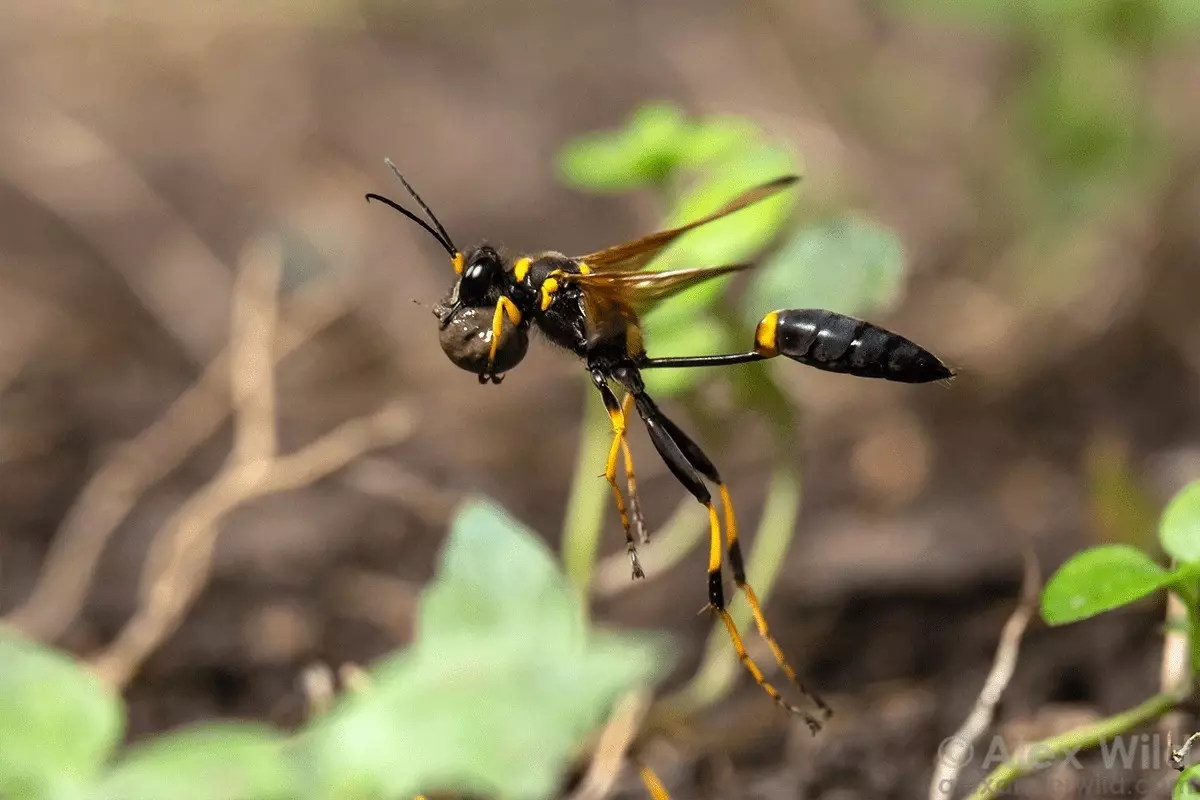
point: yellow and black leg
(617, 415)
(635, 506)
(688, 462)
(650, 780)
(504, 308)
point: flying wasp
(591, 304)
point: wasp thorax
(467, 339)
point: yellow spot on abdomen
(764, 335)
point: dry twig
(954, 754)
(178, 564)
(113, 490)
(615, 739)
(318, 686)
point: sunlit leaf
(1098, 580)
(501, 688)
(642, 153)
(223, 761)
(846, 264)
(1187, 785)
(58, 721)
(700, 336)
(1179, 530)
(739, 236)
(716, 138)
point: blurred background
(1039, 164)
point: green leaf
(642, 153)
(742, 235)
(847, 264)
(1098, 580)
(58, 721)
(700, 336)
(1179, 530)
(501, 689)
(1187, 785)
(716, 138)
(223, 761)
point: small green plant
(496, 697)
(1110, 576)
(1107, 577)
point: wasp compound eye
(467, 340)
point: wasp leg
(663, 434)
(504, 308)
(617, 416)
(701, 462)
(635, 506)
(653, 785)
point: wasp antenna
(449, 248)
(445, 236)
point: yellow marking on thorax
(584, 269)
(458, 263)
(764, 335)
(521, 269)
(549, 287)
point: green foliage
(1120, 22)
(220, 761)
(1098, 580)
(1187, 785)
(656, 141)
(1110, 576)
(1179, 531)
(504, 683)
(58, 722)
(501, 688)
(846, 264)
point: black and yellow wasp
(591, 304)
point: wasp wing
(612, 301)
(637, 254)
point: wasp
(590, 305)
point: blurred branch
(1175, 673)
(615, 740)
(588, 500)
(113, 490)
(946, 768)
(412, 491)
(66, 167)
(180, 558)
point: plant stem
(1037, 755)
(720, 667)
(588, 500)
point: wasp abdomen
(838, 343)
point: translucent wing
(635, 255)
(613, 301)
